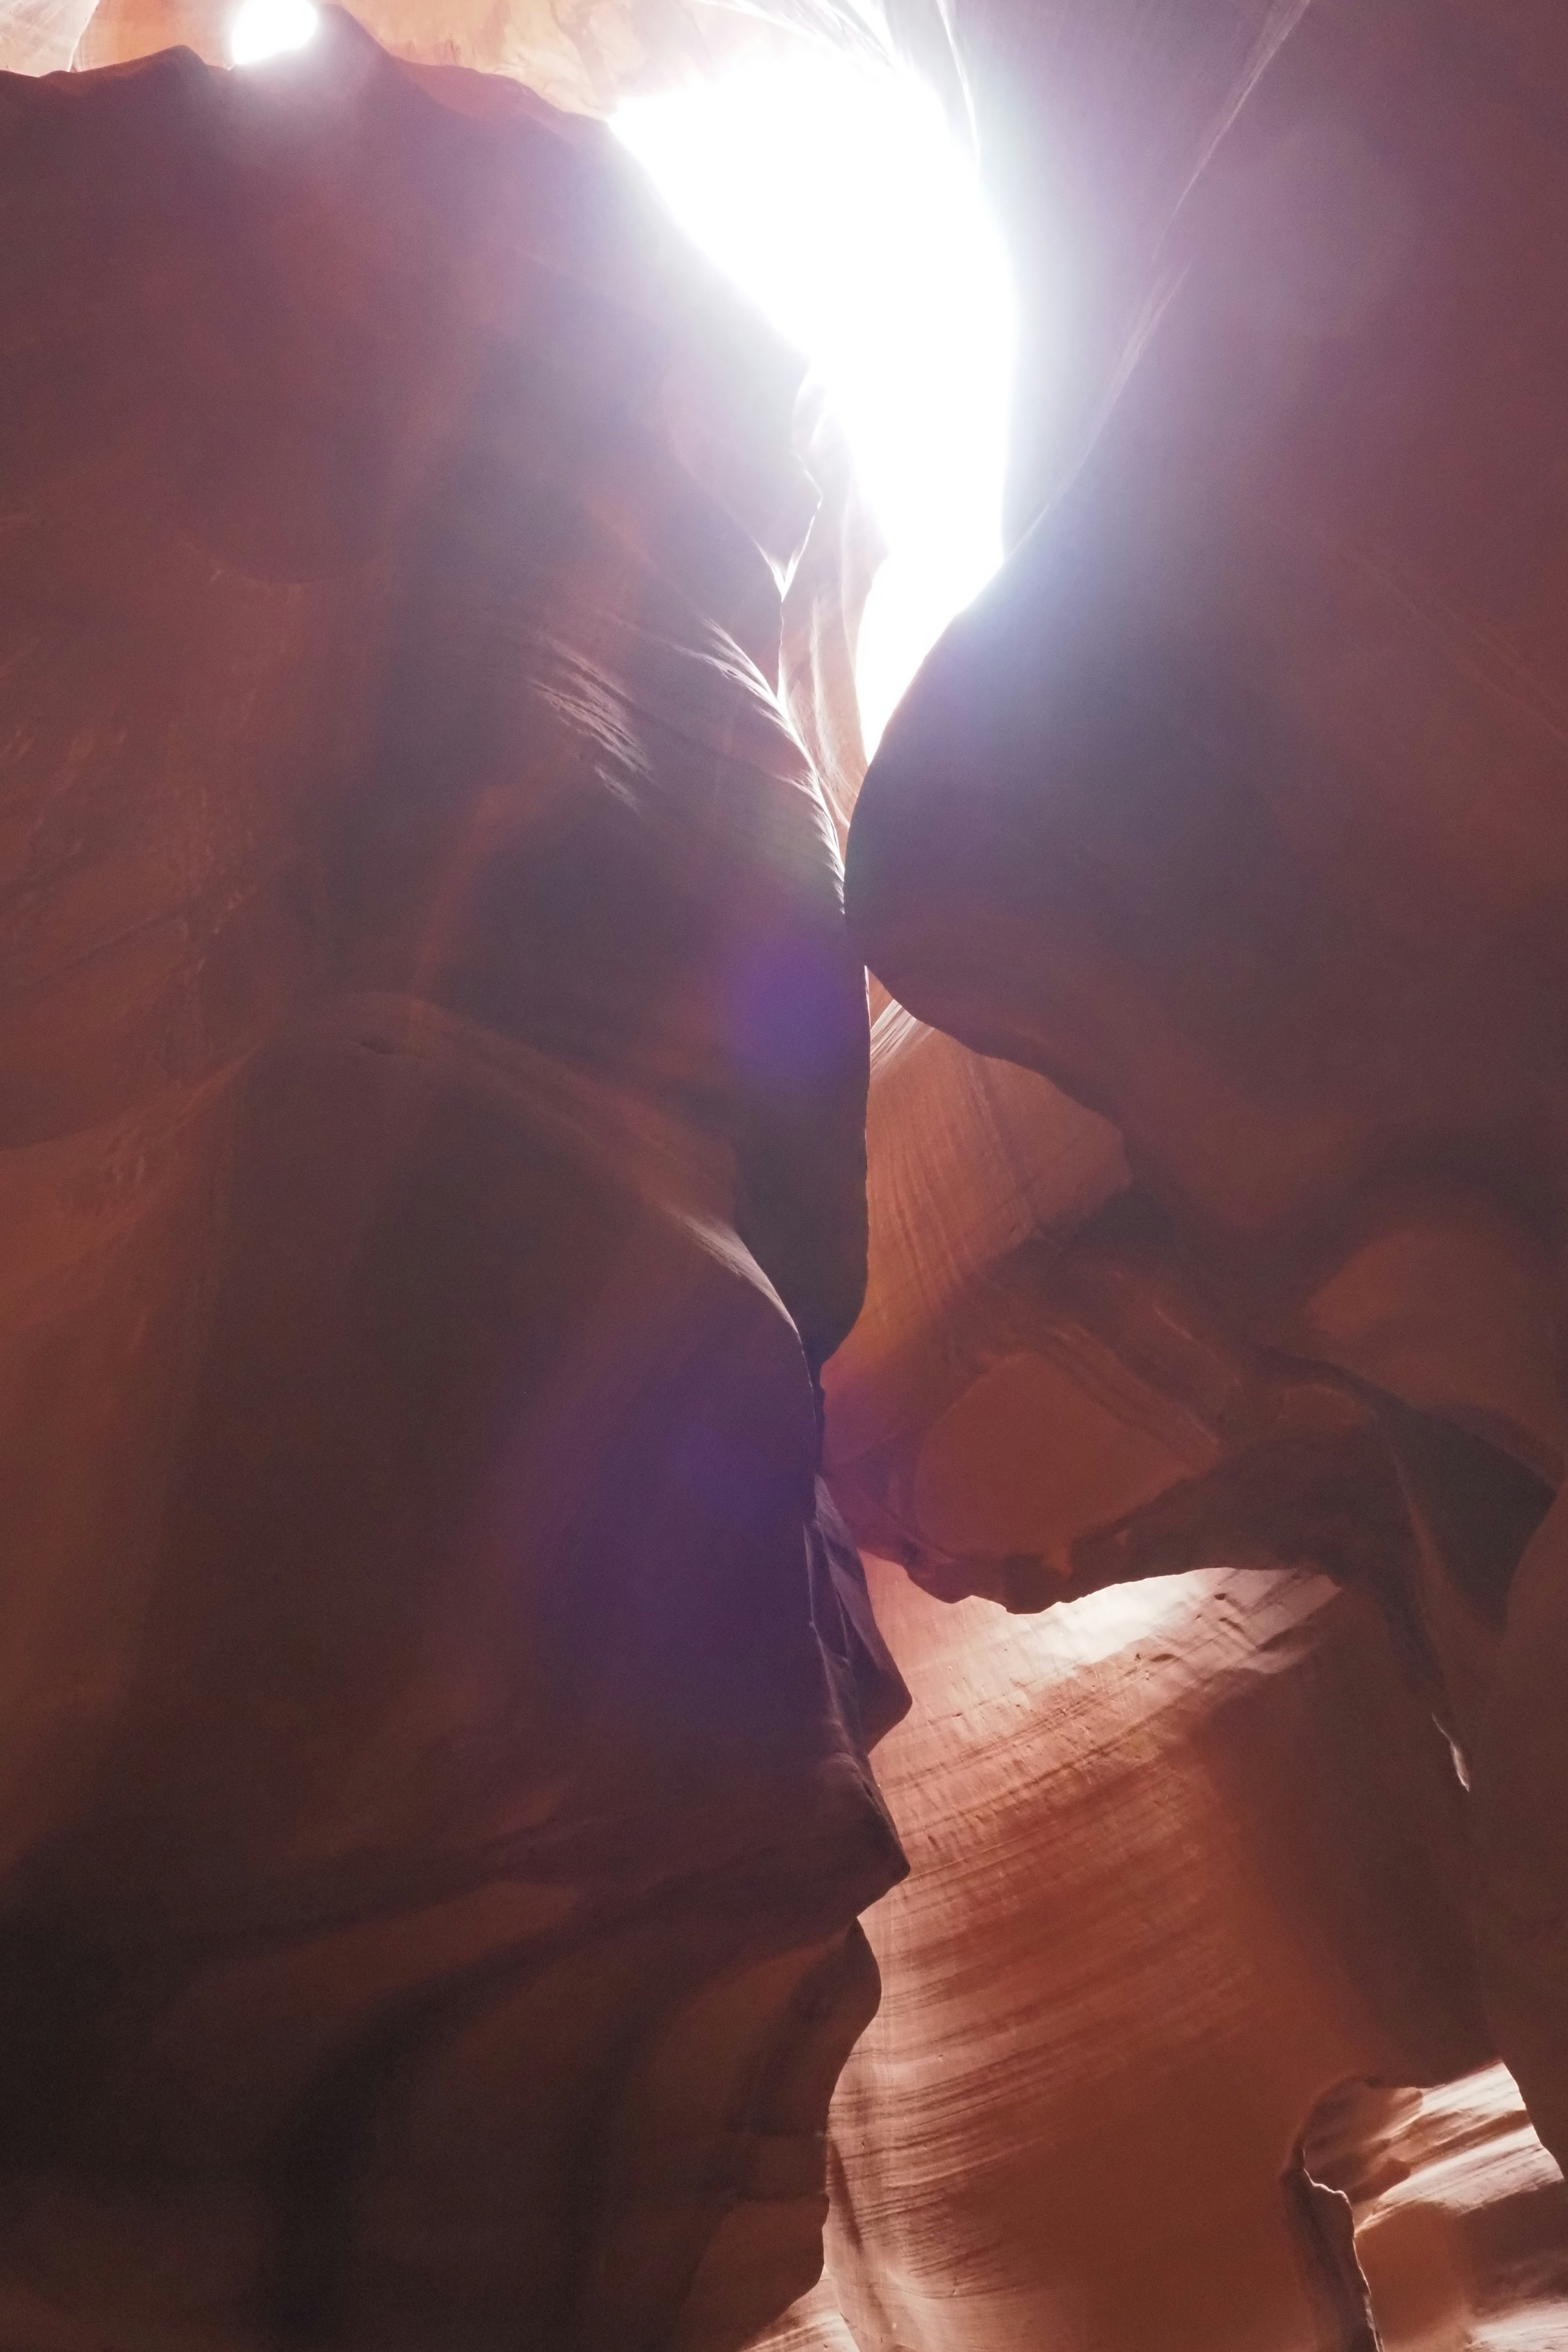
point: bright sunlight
(840, 201)
(262, 28)
(838, 198)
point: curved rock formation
(1239, 808)
(433, 1801)
(1457, 2219)
(434, 1806)
(1179, 1859)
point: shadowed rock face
(1238, 809)
(433, 1806)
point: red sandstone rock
(1239, 808)
(1457, 2217)
(1180, 1861)
(1284, 910)
(433, 1801)
(1297, 605)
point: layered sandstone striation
(1457, 2219)
(1181, 1859)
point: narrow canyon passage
(782, 1548)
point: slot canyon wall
(474, 1275)
(435, 1812)
(1262, 851)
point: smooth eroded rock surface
(1237, 808)
(433, 1800)
(1458, 2217)
(1182, 1860)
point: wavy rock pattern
(433, 1805)
(433, 1800)
(1179, 1859)
(1458, 2217)
(1238, 809)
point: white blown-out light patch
(263, 29)
(839, 200)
